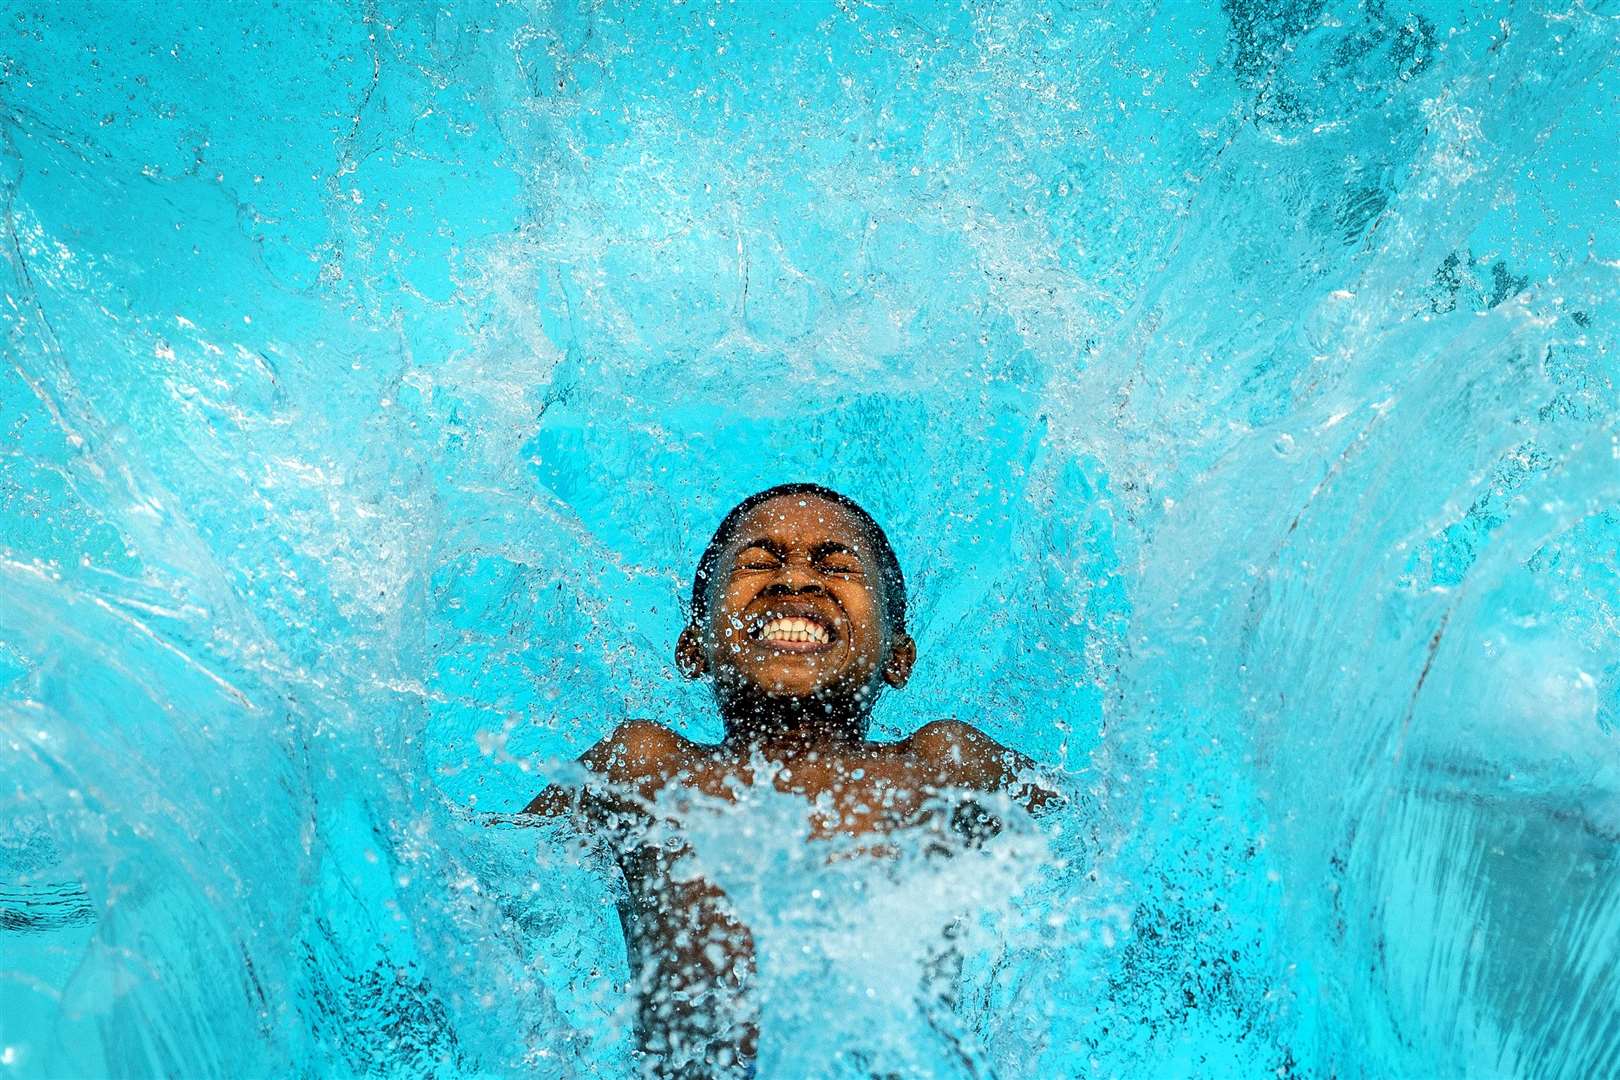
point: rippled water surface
(1237, 382)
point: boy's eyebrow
(765, 542)
(831, 547)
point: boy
(798, 619)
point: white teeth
(793, 628)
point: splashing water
(1237, 383)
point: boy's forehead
(802, 517)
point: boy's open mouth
(796, 629)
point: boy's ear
(902, 655)
(689, 658)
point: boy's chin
(808, 690)
(804, 686)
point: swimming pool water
(1236, 381)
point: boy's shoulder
(947, 741)
(640, 752)
(960, 752)
(648, 738)
(638, 756)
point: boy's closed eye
(842, 568)
(754, 559)
(759, 555)
(830, 559)
(835, 558)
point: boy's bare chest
(852, 797)
(849, 796)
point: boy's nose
(793, 580)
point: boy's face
(796, 608)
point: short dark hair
(890, 578)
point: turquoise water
(1236, 381)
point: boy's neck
(792, 725)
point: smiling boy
(798, 619)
